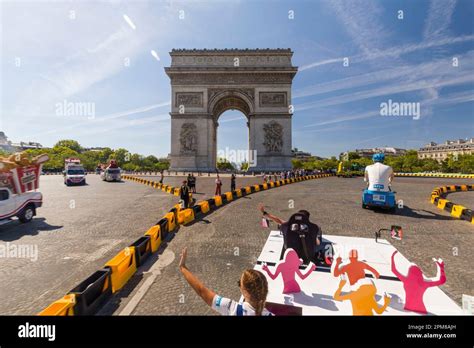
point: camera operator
(299, 234)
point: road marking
(164, 260)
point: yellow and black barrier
(123, 266)
(437, 175)
(89, 296)
(176, 191)
(61, 307)
(438, 198)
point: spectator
(253, 287)
(232, 182)
(161, 177)
(218, 185)
(194, 183)
(184, 194)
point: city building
(7, 145)
(301, 155)
(96, 149)
(440, 152)
(27, 145)
(368, 153)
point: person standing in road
(232, 182)
(184, 194)
(218, 185)
(161, 177)
(193, 181)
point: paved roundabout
(79, 228)
(230, 240)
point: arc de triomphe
(205, 83)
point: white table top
(316, 296)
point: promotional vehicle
(22, 206)
(74, 173)
(19, 180)
(379, 199)
(379, 193)
(112, 172)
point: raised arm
(380, 310)
(337, 271)
(442, 275)
(206, 294)
(270, 216)
(394, 268)
(273, 276)
(310, 268)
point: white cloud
(438, 19)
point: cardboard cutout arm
(394, 268)
(380, 310)
(273, 276)
(338, 271)
(372, 270)
(441, 275)
(310, 268)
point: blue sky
(337, 107)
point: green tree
(296, 163)
(71, 144)
(353, 156)
(224, 164)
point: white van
(74, 175)
(111, 174)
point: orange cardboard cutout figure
(355, 269)
(363, 299)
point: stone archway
(206, 83)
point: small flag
(396, 232)
(265, 223)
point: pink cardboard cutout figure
(289, 267)
(415, 284)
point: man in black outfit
(294, 229)
(184, 194)
(193, 184)
(232, 182)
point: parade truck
(74, 173)
(111, 172)
(19, 181)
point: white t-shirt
(226, 306)
(378, 175)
